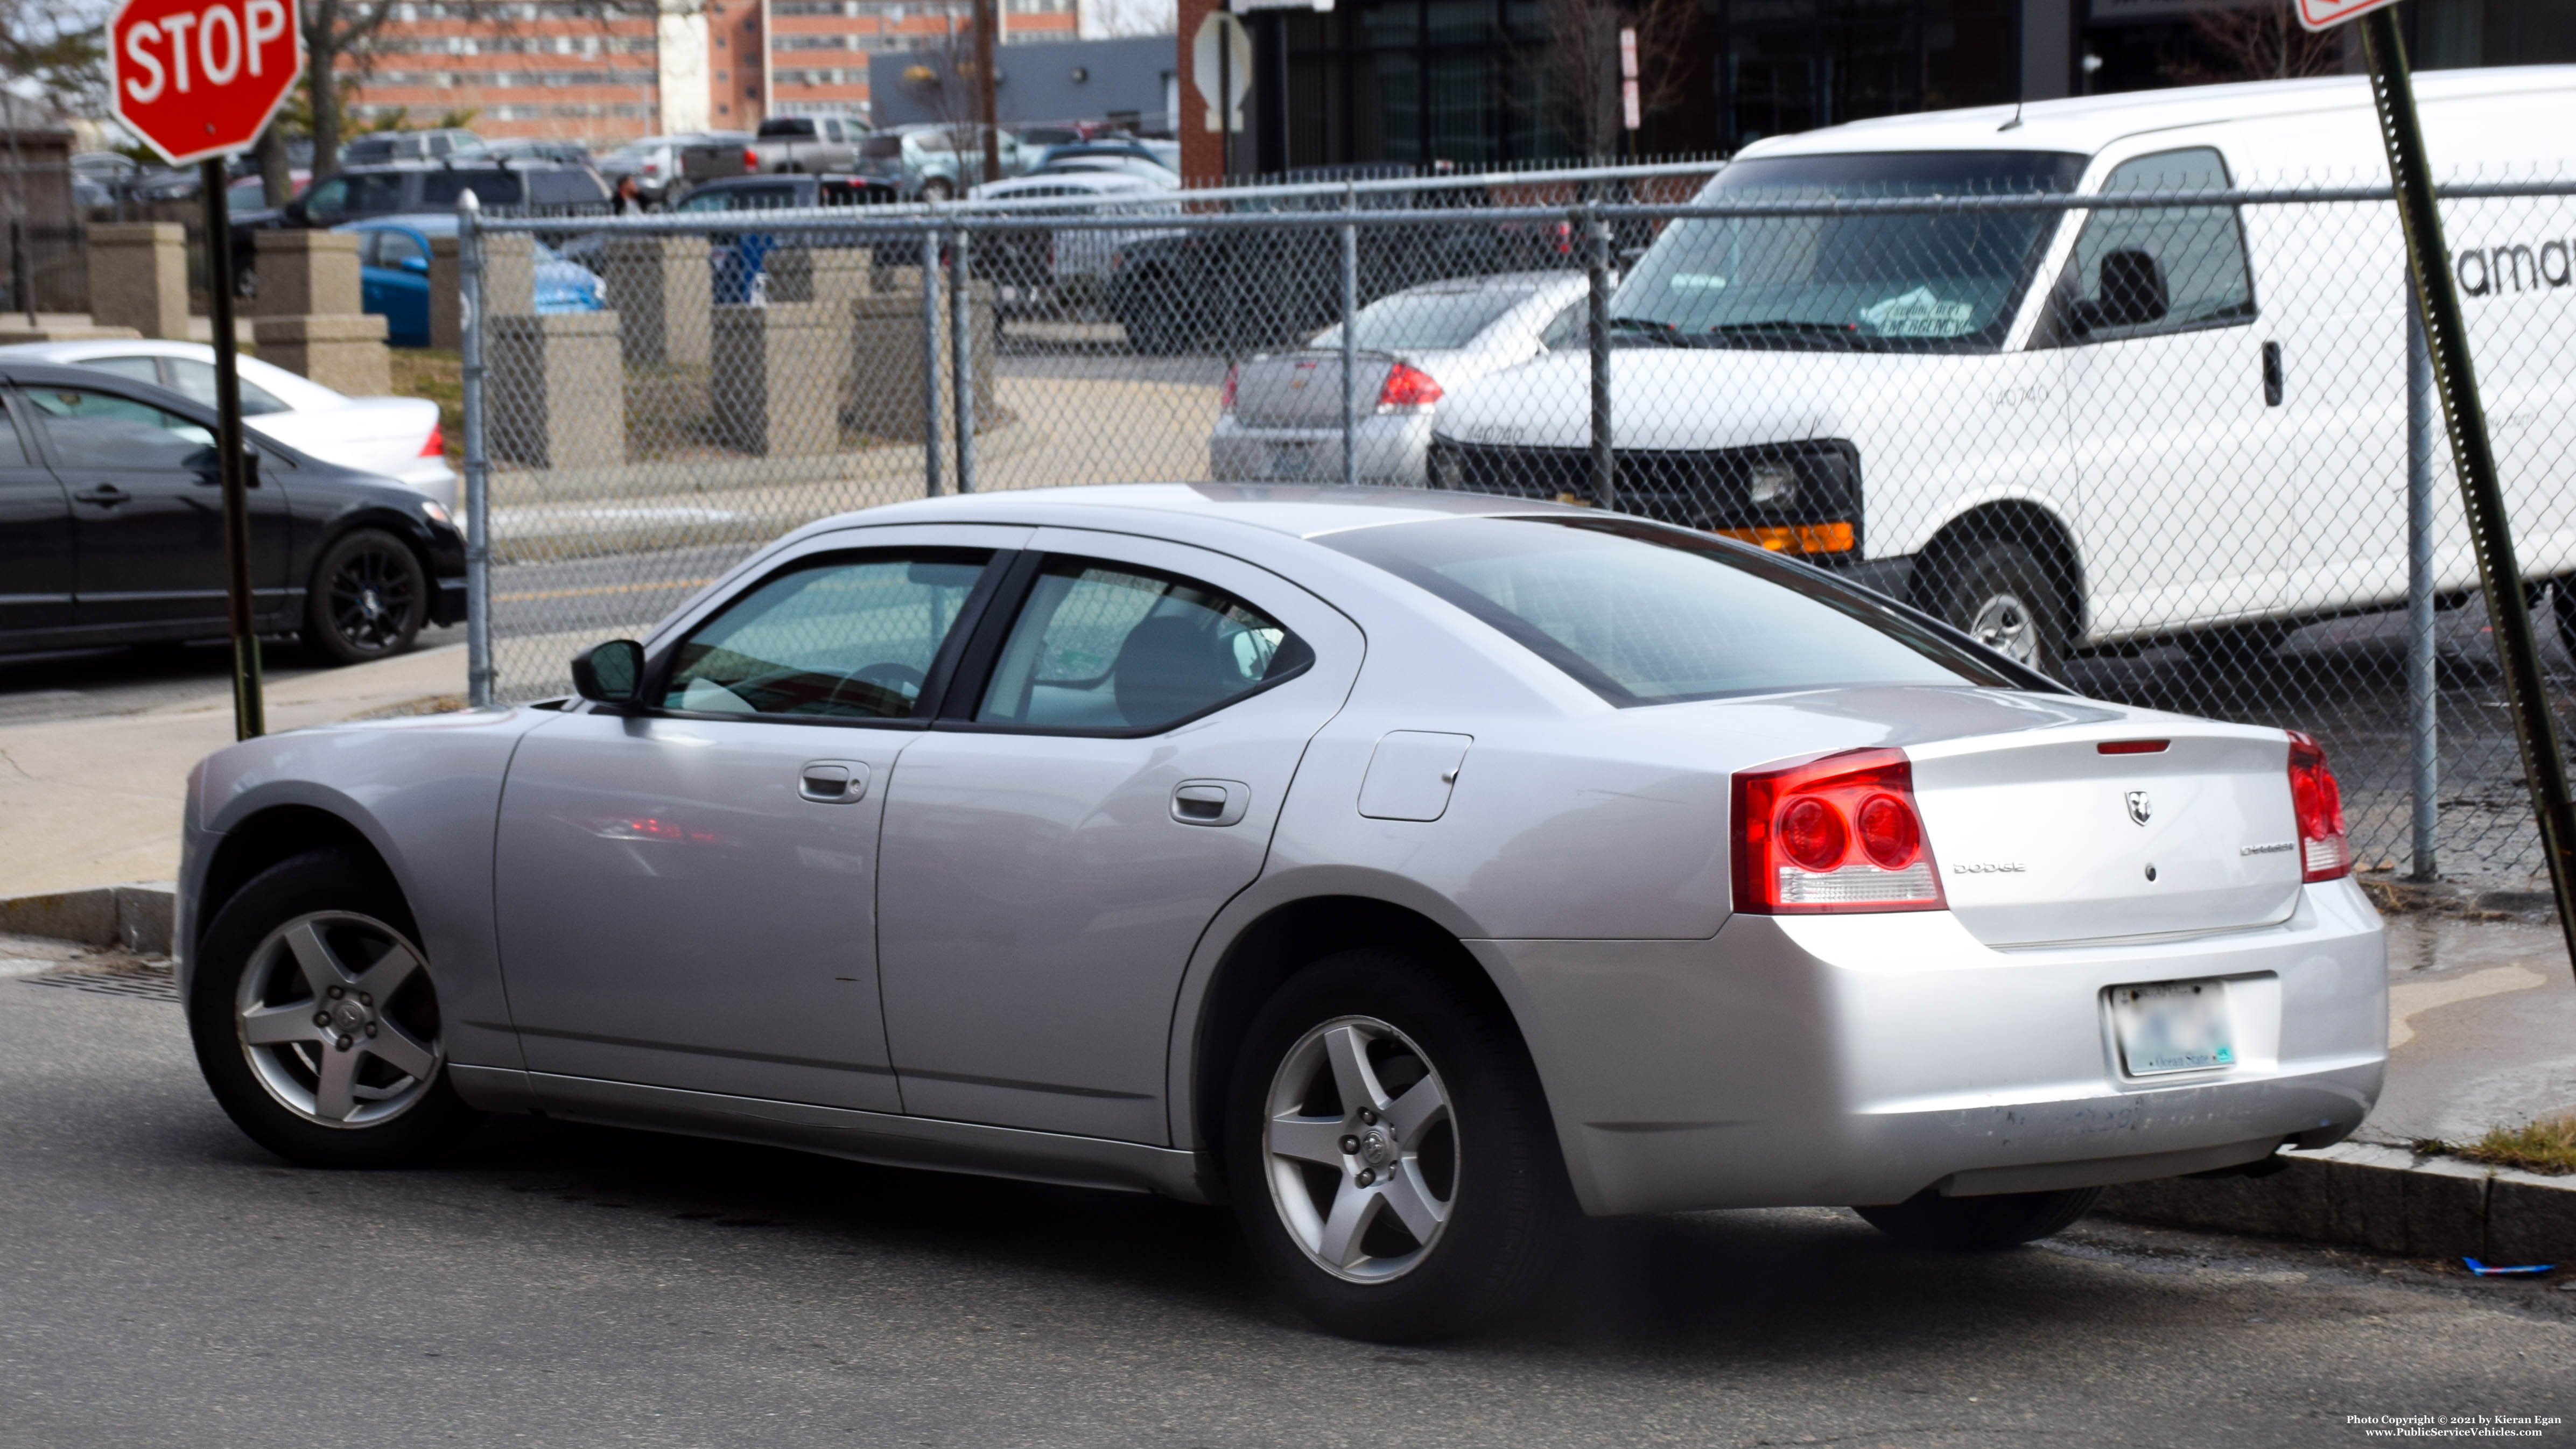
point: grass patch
(437, 374)
(2548, 1145)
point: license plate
(1291, 460)
(2173, 1026)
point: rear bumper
(1865, 1058)
(1392, 449)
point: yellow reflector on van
(1796, 538)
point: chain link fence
(2163, 438)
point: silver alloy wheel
(2005, 624)
(1364, 1176)
(336, 1019)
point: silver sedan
(1412, 871)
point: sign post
(199, 82)
(2437, 308)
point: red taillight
(2324, 853)
(750, 159)
(436, 445)
(1407, 387)
(1225, 399)
(1564, 238)
(1835, 833)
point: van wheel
(1390, 1155)
(1999, 593)
(1979, 1224)
(316, 1021)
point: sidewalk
(96, 801)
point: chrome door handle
(833, 782)
(1210, 802)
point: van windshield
(1911, 282)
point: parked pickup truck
(811, 144)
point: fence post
(478, 497)
(2422, 699)
(930, 361)
(961, 364)
(1596, 267)
(1350, 337)
(22, 278)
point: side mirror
(296, 212)
(417, 266)
(2130, 292)
(610, 673)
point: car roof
(2085, 124)
(427, 223)
(1303, 511)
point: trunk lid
(1302, 389)
(2043, 838)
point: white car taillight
(1839, 832)
(436, 444)
(1407, 389)
(2324, 853)
(1225, 399)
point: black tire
(368, 598)
(1491, 1148)
(2000, 593)
(937, 188)
(1980, 1224)
(1153, 323)
(357, 914)
(2562, 607)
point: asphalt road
(164, 1282)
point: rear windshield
(787, 127)
(1426, 321)
(1648, 615)
(881, 147)
(439, 189)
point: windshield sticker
(1697, 282)
(1918, 314)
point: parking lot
(568, 1285)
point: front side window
(849, 638)
(1904, 281)
(1647, 615)
(2170, 269)
(101, 430)
(439, 189)
(1102, 646)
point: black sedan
(111, 529)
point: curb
(2384, 1198)
(135, 916)
(2395, 895)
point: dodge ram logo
(2139, 810)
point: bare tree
(1117, 19)
(56, 54)
(1577, 65)
(2262, 41)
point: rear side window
(101, 430)
(196, 381)
(1427, 321)
(1648, 615)
(1101, 646)
(850, 638)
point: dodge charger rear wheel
(1389, 1152)
(368, 599)
(316, 1019)
(1971, 1224)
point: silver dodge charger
(1411, 871)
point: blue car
(393, 274)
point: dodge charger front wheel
(1389, 1151)
(316, 1019)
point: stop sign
(197, 79)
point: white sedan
(1413, 871)
(395, 437)
(1280, 415)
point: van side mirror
(610, 673)
(2130, 292)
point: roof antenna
(2020, 67)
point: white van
(2078, 429)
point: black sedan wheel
(368, 599)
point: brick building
(552, 69)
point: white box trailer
(2063, 429)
